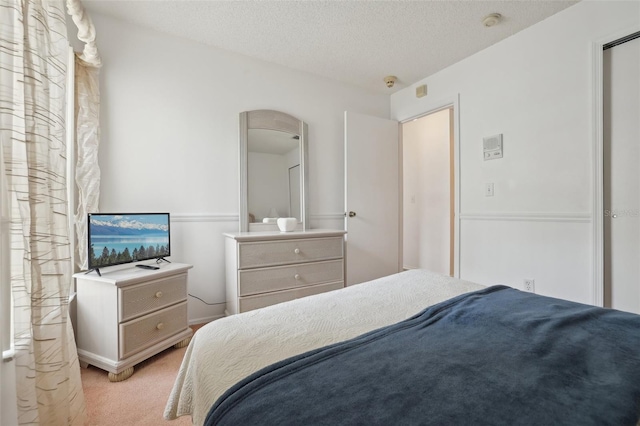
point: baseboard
(204, 320)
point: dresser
(128, 315)
(265, 268)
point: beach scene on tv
(116, 239)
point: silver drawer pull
(160, 326)
(297, 251)
(159, 295)
(296, 276)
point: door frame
(597, 128)
(428, 108)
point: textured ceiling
(357, 42)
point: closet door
(622, 176)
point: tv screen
(116, 238)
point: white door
(372, 197)
(621, 133)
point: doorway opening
(428, 188)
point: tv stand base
(121, 376)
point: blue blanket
(497, 356)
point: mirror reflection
(273, 171)
(273, 159)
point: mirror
(273, 175)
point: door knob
(352, 214)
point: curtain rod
(86, 32)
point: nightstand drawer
(141, 299)
(250, 303)
(138, 334)
(271, 253)
(263, 280)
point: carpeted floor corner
(137, 401)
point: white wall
(170, 139)
(426, 188)
(8, 398)
(535, 88)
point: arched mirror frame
(271, 120)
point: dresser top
(277, 235)
(130, 274)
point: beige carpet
(140, 399)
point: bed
(236, 365)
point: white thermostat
(492, 147)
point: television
(117, 238)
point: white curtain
(87, 141)
(87, 116)
(33, 62)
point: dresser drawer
(140, 333)
(141, 299)
(255, 281)
(250, 303)
(271, 253)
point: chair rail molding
(207, 217)
(221, 217)
(578, 217)
(327, 216)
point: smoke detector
(492, 19)
(390, 80)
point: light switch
(421, 91)
(488, 190)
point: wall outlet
(530, 285)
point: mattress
(225, 351)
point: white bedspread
(225, 351)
